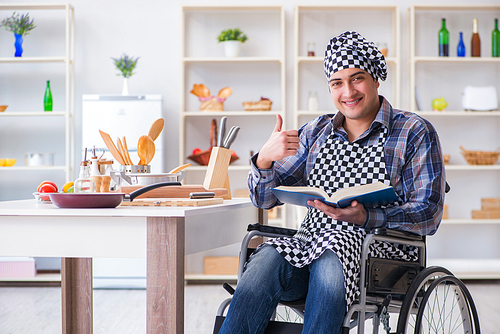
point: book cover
(370, 195)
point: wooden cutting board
(173, 202)
(172, 191)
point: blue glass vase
(19, 45)
(461, 46)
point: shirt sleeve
(289, 171)
(420, 186)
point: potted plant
(232, 39)
(126, 66)
(20, 26)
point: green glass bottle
(47, 100)
(495, 41)
(444, 40)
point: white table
(161, 234)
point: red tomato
(47, 182)
(196, 150)
(47, 188)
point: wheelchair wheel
(287, 314)
(414, 295)
(447, 306)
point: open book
(370, 195)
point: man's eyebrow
(352, 75)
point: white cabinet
(469, 247)
(316, 25)
(258, 72)
(48, 55)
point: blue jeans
(269, 278)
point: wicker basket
(262, 105)
(480, 157)
(203, 157)
(212, 105)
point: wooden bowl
(203, 157)
(3, 108)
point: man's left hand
(355, 213)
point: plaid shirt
(413, 159)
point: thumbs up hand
(280, 144)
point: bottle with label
(495, 41)
(444, 38)
(475, 43)
(84, 184)
(461, 46)
(47, 100)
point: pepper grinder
(95, 175)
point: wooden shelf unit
(68, 60)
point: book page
(357, 190)
(305, 190)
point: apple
(196, 151)
(47, 182)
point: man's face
(355, 93)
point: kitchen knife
(231, 137)
(222, 131)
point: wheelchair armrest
(271, 229)
(397, 234)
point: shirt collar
(383, 117)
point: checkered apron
(338, 165)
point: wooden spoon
(225, 92)
(125, 148)
(179, 168)
(122, 151)
(156, 128)
(112, 147)
(145, 149)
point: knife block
(217, 176)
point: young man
(364, 142)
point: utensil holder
(217, 176)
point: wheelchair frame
(377, 304)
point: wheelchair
(422, 299)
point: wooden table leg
(76, 295)
(165, 275)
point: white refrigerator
(130, 116)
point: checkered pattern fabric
(351, 50)
(339, 165)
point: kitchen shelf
(240, 59)
(472, 167)
(465, 221)
(33, 113)
(34, 168)
(459, 113)
(67, 25)
(445, 77)
(209, 67)
(259, 71)
(231, 168)
(231, 113)
(34, 60)
(472, 60)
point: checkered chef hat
(351, 50)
